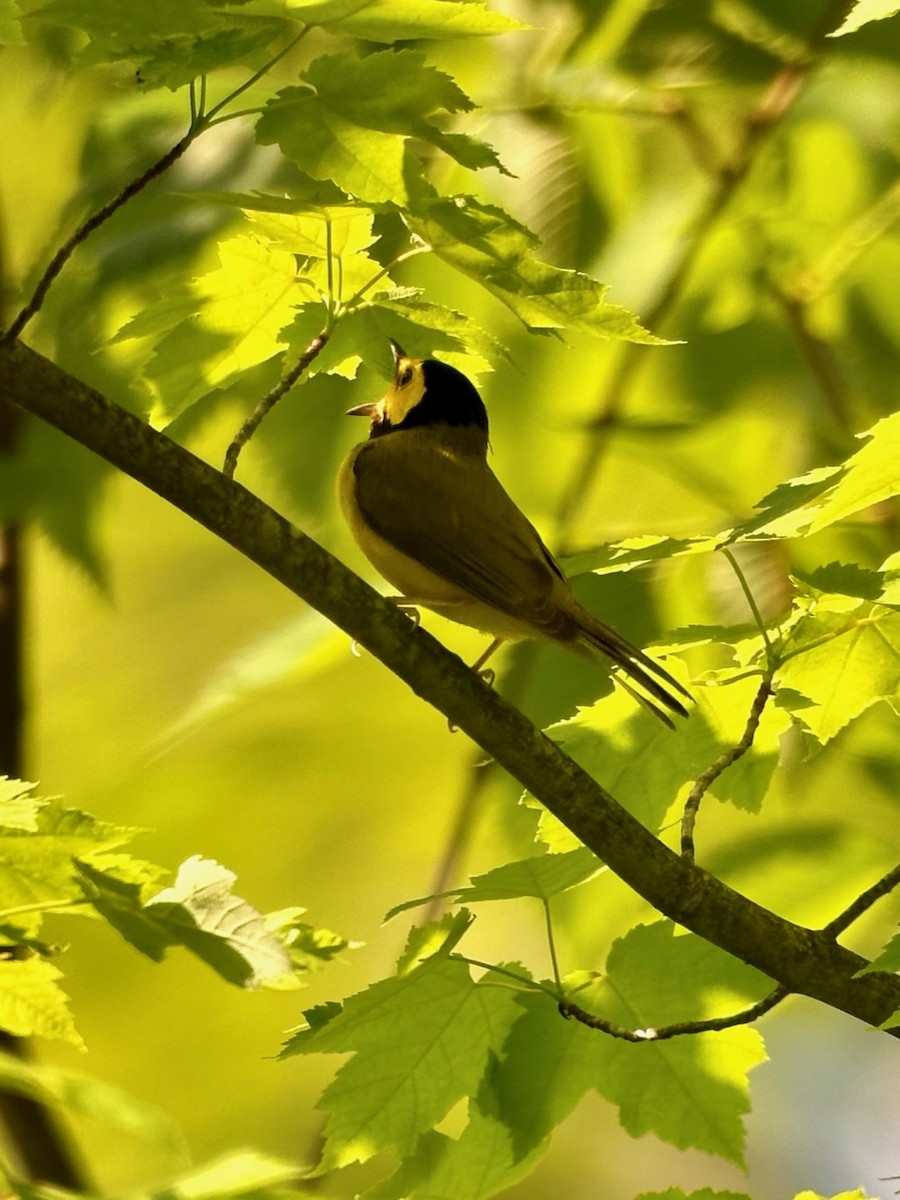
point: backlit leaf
(863, 12)
(852, 661)
(482, 241)
(397, 20)
(420, 1042)
(32, 1004)
(351, 121)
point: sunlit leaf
(242, 307)
(539, 877)
(849, 661)
(171, 42)
(888, 959)
(434, 937)
(37, 865)
(855, 1194)
(631, 754)
(244, 1173)
(484, 242)
(481, 1162)
(19, 809)
(420, 1042)
(689, 1091)
(32, 1004)
(351, 121)
(863, 12)
(397, 20)
(308, 948)
(201, 913)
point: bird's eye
(405, 376)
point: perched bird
(430, 515)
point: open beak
(363, 410)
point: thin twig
(569, 1009)
(268, 402)
(200, 122)
(725, 759)
(862, 903)
(818, 355)
(68, 248)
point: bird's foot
(407, 606)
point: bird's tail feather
(650, 676)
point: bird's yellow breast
(410, 577)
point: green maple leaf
(845, 658)
(243, 305)
(540, 877)
(420, 1042)
(689, 1091)
(201, 912)
(37, 865)
(635, 757)
(485, 243)
(352, 121)
(32, 1004)
(863, 12)
(170, 41)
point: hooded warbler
(430, 515)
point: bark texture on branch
(802, 960)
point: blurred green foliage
(730, 174)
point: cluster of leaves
(499, 1039)
(60, 861)
(829, 659)
(304, 260)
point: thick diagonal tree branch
(802, 960)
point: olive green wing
(449, 512)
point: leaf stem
(268, 402)
(395, 262)
(725, 759)
(533, 985)
(754, 608)
(256, 76)
(551, 943)
(233, 116)
(329, 265)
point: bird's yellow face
(406, 390)
(426, 393)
